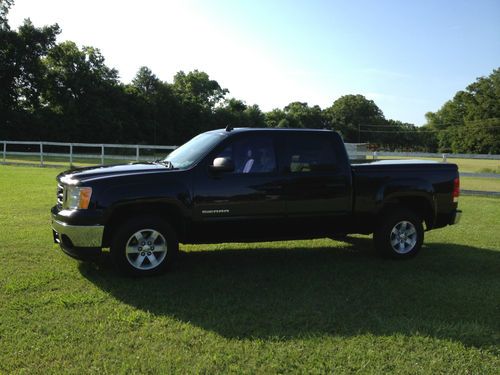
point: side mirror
(222, 165)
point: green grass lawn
(63, 162)
(480, 183)
(286, 307)
(464, 165)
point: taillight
(456, 189)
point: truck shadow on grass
(448, 291)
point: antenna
(229, 128)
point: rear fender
(417, 194)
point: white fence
(38, 154)
(434, 155)
(71, 156)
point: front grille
(60, 196)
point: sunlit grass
(464, 165)
(480, 183)
(299, 306)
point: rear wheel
(400, 234)
(143, 246)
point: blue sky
(409, 57)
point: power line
(420, 131)
(467, 122)
(396, 130)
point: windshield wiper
(166, 163)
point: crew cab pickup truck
(249, 185)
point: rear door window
(306, 153)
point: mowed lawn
(480, 183)
(464, 165)
(286, 307)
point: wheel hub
(146, 249)
(403, 237)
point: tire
(400, 234)
(144, 246)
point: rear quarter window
(309, 153)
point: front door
(242, 204)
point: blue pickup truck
(249, 185)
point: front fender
(174, 193)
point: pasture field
(63, 162)
(464, 165)
(317, 306)
(480, 183)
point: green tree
(146, 83)
(275, 117)
(81, 92)
(236, 113)
(198, 88)
(349, 112)
(470, 121)
(254, 117)
(300, 115)
(5, 6)
(22, 75)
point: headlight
(77, 197)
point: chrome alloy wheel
(403, 237)
(146, 249)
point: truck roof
(230, 130)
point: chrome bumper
(79, 235)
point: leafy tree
(22, 75)
(5, 5)
(255, 117)
(300, 115)
(197, 87)
(275, 117)
(146, 83)
(82, 91)
(236, 113)
(349, 112)
(470, 121)
(296, 115)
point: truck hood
(92, 173)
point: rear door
(317, 190)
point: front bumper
(79, 241)
(78, 235)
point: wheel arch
(168, 211)
(420, 203)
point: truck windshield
(191, 152)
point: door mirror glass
(222, 165)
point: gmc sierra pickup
(249, 185)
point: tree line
(60, 92)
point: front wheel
(400, 234)
(144, 246)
